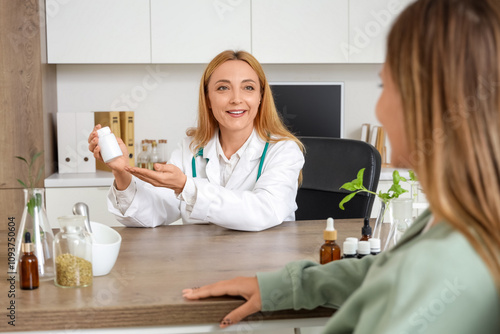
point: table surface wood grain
(155, 264)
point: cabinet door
(300, 31)
(196, 31)
(369, 24)
(98, 31)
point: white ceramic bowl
(105, 248)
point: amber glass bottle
(28, 265)
(366, 231)
(329, 251)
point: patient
(440, 106)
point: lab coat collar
(252, 152)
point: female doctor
(239, 168)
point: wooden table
(154, 265)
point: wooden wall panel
(27, 98)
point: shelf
(71, 180)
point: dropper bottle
(329, 251)
(28, 265)
(366, 231)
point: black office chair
(331, 162)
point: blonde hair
(444, 56)
(267, 123)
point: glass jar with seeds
(73, 253)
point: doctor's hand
(117, 164)
(164, 175)
(247, 287)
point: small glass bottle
(366, 231)
(110, 149)
(28, 266)
(350, 251)
(329, 251)
(374, 246)
(73, 253)
(162, 150)
(153, 156)
(363, 249)
(354, 240)
(142, 158)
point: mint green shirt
(432, 282)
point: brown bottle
(28, 265)
(329, 251)
(366, 231)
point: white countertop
(70, 180)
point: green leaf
(349, 186)
(384, 196)
(33, 159)
(396, 177)
(21, 158)
(347, 199)
(397, 190)
(413, 177)
(22, 183)
(39, 176)
(31, 206)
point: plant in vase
(356, 186)
(34, 218)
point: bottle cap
(366, 229)
(353, 240)
(374, 244)
(350, 247)
(364, 247)
(330, 233)
(103, 131)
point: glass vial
(374, 246)
(363, 249)
(329, 251)
(28, 265)
(350, 250)
(142, 158)
(162, 150)
(153, 156)
(110, 149)
(73, 253)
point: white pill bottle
(110, 149)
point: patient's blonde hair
(444, 56)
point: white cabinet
(98, 31)
(73, 131)
(196, 31)
(300, 31)
(60, 201)
(369, 24)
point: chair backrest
(329, 163)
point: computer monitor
(313, 109)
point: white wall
(165, 97)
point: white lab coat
(243, 204)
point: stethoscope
(200, 154)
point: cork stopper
(329, 233)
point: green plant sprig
(35, 201)
(356, 186)
(32, 180)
